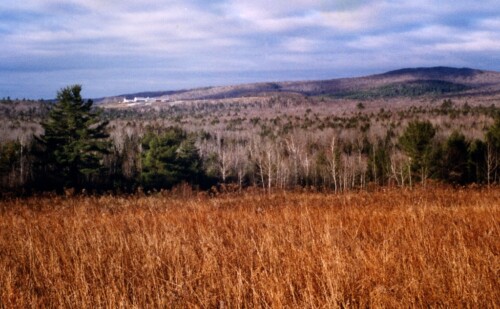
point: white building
(137, 100)
(148, 100)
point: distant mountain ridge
(435, 71)
(402, 82)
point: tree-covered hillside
(277, 141)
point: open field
(388, 248)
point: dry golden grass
(390, 248)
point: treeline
(409, 89)
(8, 100)
(76, 151)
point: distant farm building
(138, 100)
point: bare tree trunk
(256, 157)
(394, 172)
(261, 168)
(361, 169)
(491, 163)
(409, 174)
(334, 164)
(21, 164)
(293, 151)
(307, 165)
(269, 169)
(223, 157)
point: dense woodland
(279, 141)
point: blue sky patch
(113, 47)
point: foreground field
(392, 248)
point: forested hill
(410, 82)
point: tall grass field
(422, 247)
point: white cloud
(301, 45)
(174, 29)
(176, 36)
(472, 42)
(284, 16)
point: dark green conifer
(456, 159)
(416, 142)
(169, 158)
(74, 142)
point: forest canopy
(260, 144)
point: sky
(114, 47)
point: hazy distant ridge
(416, 81)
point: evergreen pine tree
(169, 158)
(477, 161)
(379, 161)
(74, 142)
(416, 142)
(456, 159)
(10, 157)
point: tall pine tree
(493, 152)
(416, 142)
(170, 158)
(73, 144)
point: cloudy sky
(113, 47)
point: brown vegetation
(389, 248)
